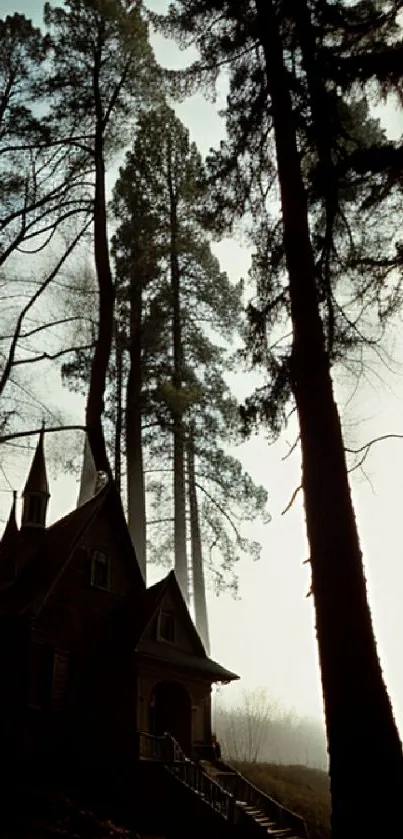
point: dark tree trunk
(134, 438)
(178, 425)
(106, 295)
(199, 589)
(366, 766)
(322, 133)
(118, 410)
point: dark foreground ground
(44, 812)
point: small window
(40, 676)
(34, 509)
(166, 627)
(100, 570)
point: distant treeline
(258, 730)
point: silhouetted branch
(45, 356)
(366, 448)
(221, 509)
(49, 325)
(69, 141)
(292, 448)
(15, 435)
(291, 501)
(17, 334)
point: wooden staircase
(255, 812)
(243, 809)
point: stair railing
(222, 792)
(152, 747)
(192, 775)
(246, 792)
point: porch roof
(205, 666)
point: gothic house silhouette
(91, 658)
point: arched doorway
(171, 711)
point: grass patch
(303, 790)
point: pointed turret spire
(36, 492)
(89, 475)
(11, 531)
(9, 546)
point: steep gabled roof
(8, 546)
(130, 620)
(41, 559)
(11, 532)
(62, 538)
(198, 660)
(170, 583)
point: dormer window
(166, 627)
(100, 569)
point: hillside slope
(304, 790)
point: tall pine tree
(169, 281)
(291, 113)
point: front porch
(176, 702)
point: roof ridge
(96, 497)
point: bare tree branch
(50, 325)
(69, 141)
(292, 448)
(292, 499)
(13, 347)
(366, 448)
(15, 435)
(45, 356)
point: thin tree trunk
(106, 295)
(119, 410)
(366, 765)
(134, 438)
(199, 589)
(181, 570)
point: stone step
(264, 821)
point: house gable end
(108, 538)
(101, 570)
(170, 625)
